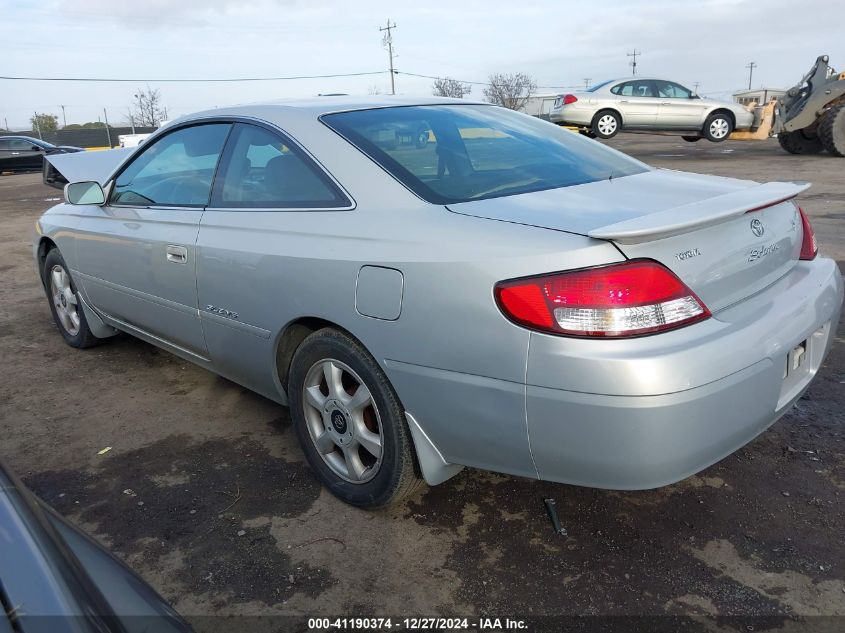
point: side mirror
(84, 193)
(36, 148)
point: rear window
(457, 153)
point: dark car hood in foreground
(54, 578)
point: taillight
(567, 99)
(628, 299)
(809, 247)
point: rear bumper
(573, 115)
(655, 415)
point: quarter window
(176, 170)
(262, 169)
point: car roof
(317, 106)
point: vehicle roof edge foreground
(54, 577)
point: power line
(633, 62)
(388, 41)
(190, 79)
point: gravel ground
(206, 493)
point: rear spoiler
(699, 214)
(60, 169)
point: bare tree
(147, 110)
(448, 87)
(511, 91)
(374, 90)
(44, 123)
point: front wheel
(349, 421)
(65, 303)
(717, 127)
(606, 124)
(800, 142)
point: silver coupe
(649, 105)
(432, 284)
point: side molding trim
(435, 469)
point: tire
(799, 142)
(717, 127)
(65, 304)
(832, 130)
(691, 139)
(606, 124)
(345, 428)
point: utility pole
(750, 66)
(587, 82)
(696, 85)
(633, 61)
(108, 131)
(388, 41)
(37, 126)
(6, 124)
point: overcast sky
(559, 43)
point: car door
(5, 154)
(271, 202)
(137, 253)
(637, 102)
(24, 154)
(678, 108)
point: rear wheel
(691, 139)
(606, 124)
(65, 303)
(832, 130)
(800, 142)
(718, 127)
(349, 421)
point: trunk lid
(726, 239)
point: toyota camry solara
(433, 284)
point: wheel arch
(611, 110)
(45, 245)
(725, 111)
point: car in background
(24, 153)
(649, 105)
(56, 578)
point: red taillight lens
(567, 99)
(628, 299)
(809, 247)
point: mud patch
(203, 500)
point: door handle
(623, 101)
(665, 103)
(176, 254)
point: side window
(175, 171)
(264, 170)
(634, 89)
(672, 90)
(5, 144)
(21, 145)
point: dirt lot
(196, 460)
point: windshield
(597, 86)
(457, 153)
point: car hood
(589, 207)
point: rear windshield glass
(597, 86)
(457, 153)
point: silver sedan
(433, 284)
(647, 104)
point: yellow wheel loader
(809, 118)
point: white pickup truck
(133, 140)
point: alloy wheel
(64, 300)
(343, 421)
